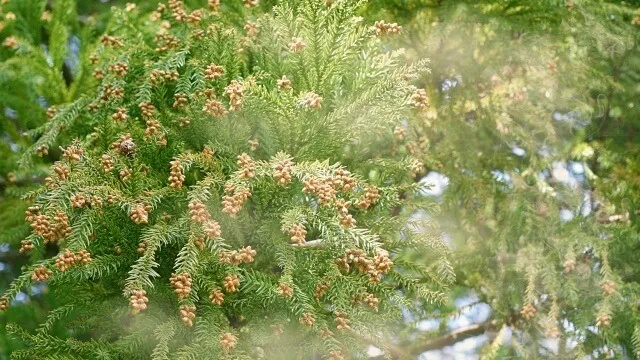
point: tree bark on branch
(449, 339)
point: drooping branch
(454, 337)
(488, 327)
(311, 243)
(23, 181)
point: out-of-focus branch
(608, 219)
(396, 351)
(454, 337)
(23, 181)
(488, 327)
(311, 243)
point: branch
(606, 219)
(311, 243)
(396, 352)
(449, 339)
(454, 337)
(23, 181)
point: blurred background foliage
(531, 141)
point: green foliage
(318, 170)
(532, 118)
(523, 93)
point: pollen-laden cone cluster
(79, 200)
(211, 229)
(198, 212)
(284, 84)
(120, 115)
(164, 42)
(30, 215)
(313, 100)
(158, 76)
(375, 267)
(51, 112)
(213, 72)
(237, 257)
(207, 152)
(251, 3)
(110, 91)
(67, 259)
(231, 283)
(346, 220)
(72, 153)
(228, 341)
(297, 44)
(235, 91)
(48, 229)
(285, 290)
(109, 40)
(386, 29)
(320, 290)
(298, 234)
(552, 332)
(4, 304)
(399, 133)
(342, 323)
(140, 213)
(26, 246)
(278, 329)
(569, 265)
(181, 284)
(419, 99)
(636, 21)
(371, 301)
(216, 297)
(42, 150)
(370, 197)
(125, 174)
(198, 241)
(282, 171)
(138, 301)
(195, 17)
(176, 176)
(247, 166)
(10, 43)
(603, 320)
(142, 247)
(235, 198)
(41, 273)
(253, 144)
(61, 226)
(119, 69)
(320, 187)
(153, 131)
(335, 355)
(307, 319)
(342, 179)
(251, 30)
(62, 171)
(107, 163)
(147, 109)
(608, 288)
(178, 12)
(214, 5)
(528, 311)
(188, 313)
(214, 108)
(98, 74)
(180, 101)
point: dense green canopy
(459, 169)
